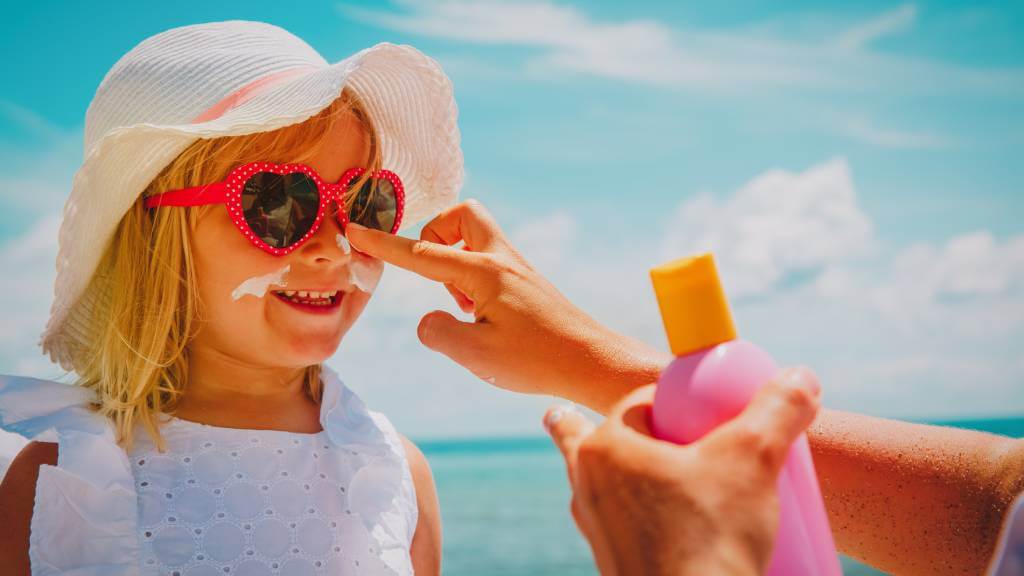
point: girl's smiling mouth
(311, 301)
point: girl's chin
(310, 342)
(304, 352)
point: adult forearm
(912, 498)
(609, 366)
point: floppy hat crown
(229, 79)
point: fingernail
(802, 378)
(555, 414)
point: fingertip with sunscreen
(556, 413)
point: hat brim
(407, 95)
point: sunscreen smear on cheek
(364, 272)
(258, 285)
(343, 243)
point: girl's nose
(324, 247)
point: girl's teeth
(310, 297)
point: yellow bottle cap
(693, 305)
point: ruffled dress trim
(387, 477)
(85, 520)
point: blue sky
(856, 168)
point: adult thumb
(458, 340)
(779, 412)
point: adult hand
(652, 507)
(526, 336)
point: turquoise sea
(505, 506)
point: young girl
(203, 278)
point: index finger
(428, 259)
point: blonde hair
(138, 353)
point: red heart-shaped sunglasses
(278, 207)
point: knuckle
(473, 205)
(758, 448)
(506, 265)
(749, 440)
(495, 263)
(422, 248)
(767, 459)
(796, 398)
(480, 213)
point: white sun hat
(229, 79)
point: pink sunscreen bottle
(711, 380)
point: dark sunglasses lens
(374, 204)
(280, 208)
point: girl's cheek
(364, 272)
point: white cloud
(972, 264)
(28, 263)
(972, 285)
(777, 225)
(925, 330)
(37, 179)
(653, 53)
(861, 127)
(641, 51)
(887, 24)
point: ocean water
(505, 506)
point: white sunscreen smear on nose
(363, 273)
(342, 243)
(258, 285)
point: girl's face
(269, 331)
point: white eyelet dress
(219, 501)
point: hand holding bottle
(652, 507)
